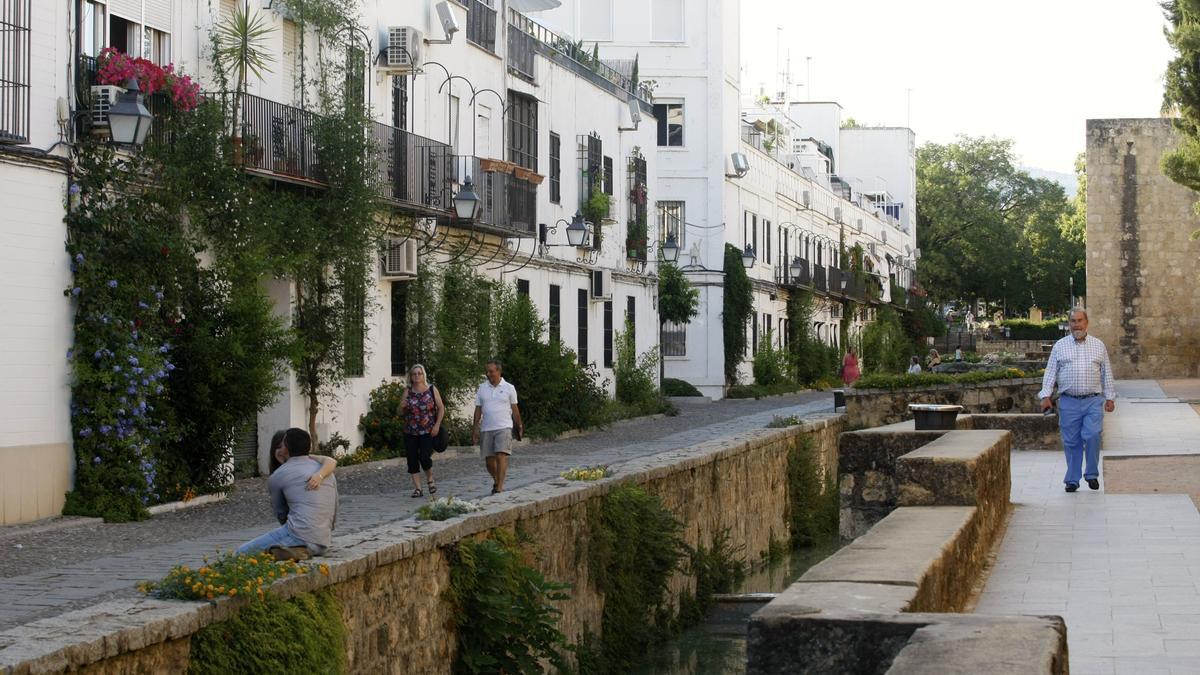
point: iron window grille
(15, 52)
(555, 168)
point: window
(399, 328)
(754, 233)
(670, 221)
(753, 336)
(455, 107)
(767, 239)
(290, 60)
(670, 123)
(631, 316)
(481, 24)
(767, 325)
(92, 21)
(523, 287)
(608, 334)
(522, 130)
(596, 20)
(583, 327)
(666, 20)
(608, 176)
(355, 332)
(399, 101)
(555, 168)
(15, 46)
(156, 46)
(555, 319)
(674, 339)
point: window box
(496, 165)
(528, 175)
(635, 249)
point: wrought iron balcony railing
(413, 170)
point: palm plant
(242, 47)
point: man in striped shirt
(1079, 367)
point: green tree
(1181, 95)
(737, 308)
(987, 229)
(678, 299)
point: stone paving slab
(1122, 570)
(48, 592)
(1149, 422)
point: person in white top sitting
(914, 367)
(496, 412)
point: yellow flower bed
(230, 574)
(587, 472)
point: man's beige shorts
(495, 442)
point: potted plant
(595, 209)
(242, 47)
(252, 150)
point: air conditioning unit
(837, 213)
(403, 48)
(859, 225)
(399, 260)
(806, 197)
(883, 236)
(601, 285)
(103, 97)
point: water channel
(718, 646)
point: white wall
(886, 154)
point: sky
(1030, 70)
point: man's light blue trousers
(1080, 421)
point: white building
(792, 202)
(499, 99)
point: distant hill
(1067, 180)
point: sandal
(417, 493)
(432, 488)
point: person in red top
(423, 412)
(849, 368)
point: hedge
(1023, 329)
(890, 381)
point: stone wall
(868, 408)
(389, 579)
(1141, 261)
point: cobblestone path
(50, 572)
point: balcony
(820, 279)
(522, 48)
(572, 55)
(277, 139)
(413, 170)
(507, 203)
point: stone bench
(881, 469)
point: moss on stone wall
(303, 634)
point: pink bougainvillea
(117, 68)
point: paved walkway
(1123, 570)
(122, 554)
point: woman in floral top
(423, 412)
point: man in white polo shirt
(495, 412)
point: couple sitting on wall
(304, 496)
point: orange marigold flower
(324, 569)
(232, 592)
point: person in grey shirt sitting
(304, 497)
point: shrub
(634, 549)
(674, 387)
(779, 422)
(718, 568)
(811, 359)
(556, 393)
(445, 509)
(812, 498)
(229, 575)
(902, 381)
(635, 375)
(303, 634)
(503, 613)
(1023, 329)
(738, 308)
(885, 346)
(587, 473)
(382, 425)
(771, 366)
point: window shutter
(126, 9)
(159, 15)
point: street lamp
(466, 201)
(576, 231)
(797, 267)
(128, 118)
(748, 257)
(670, 249)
